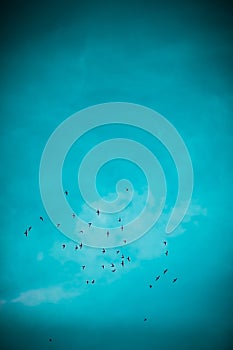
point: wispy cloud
(52, 294)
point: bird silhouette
(89, 224)
(165, 243)
(63, 246)
(87, 282)
(166, 253)
(93, 281)
(114, 270)
(80, 245)
(73, 215)
(66, 193)
(165, 271)
(107, 233)
(112, 265)
(29, 228)
(102, 266)
(98, 212)
(118, 252)
(41, 218)
(145, 319)
(150, 285)
(103, 251)
(122, 228)
(83, 267)
(126, 189)
(26, 233)
(76, 247)
(81, 231)
(119, 220)
(50, 339)
(122, 256)
(128, 258)
(157, 278)
(122, 263)
(175, 279)
(58, 225)
(124, 241)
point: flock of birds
(112, 265)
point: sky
(59, 58)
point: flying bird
(166, 253)
(66, 193)
(29, 228)
(76, 247)
(98, 212)
(175, 279)
(102, 266)
(128, 258)
(165, 243)
(157, 278)
(122, 256)
(112, 265)
(63, 246)
(26, 233)
(124, 241)
(122, 263)
(81, 231)
(165, 271)
(107, 233)
(119, 220)
(93, 281)
(58, 225)
(89, 224)
(126, 189)
(114, 270)
(145, 319)
(73, 215)
(41, 218)
(87, 282)
(122, 228)
(118, 252)
(150, 285)
(50, 339)
(103, 251)
(83, 267)
(80, 245)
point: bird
(150, 285)
(89, 224)
(114, 270)
(63, 246)
(165, 243)
(73, 215)
(166, 253)
(26, 233)
(93, 281)
(157, 278)
(50, 339)
(122, 228)
(41, 218)
(126, 189)
(87, 282)
(81, 231)
(66, 193)
(124, 241)
(145, 319)
(122, 263)
(76, 247)
(119, 220)
(165, 271)
(83, 267)
(97, 212)
(107, 233)
(122, 256)
(58, 225)
(128, 258)
(102, 266)
(118, 252)
(175, 279)
(29, 228)
(80, 245)
(103, 251)
(112, 265)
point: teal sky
(173, 57)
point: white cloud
(52, 294)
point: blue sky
(58, 59)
